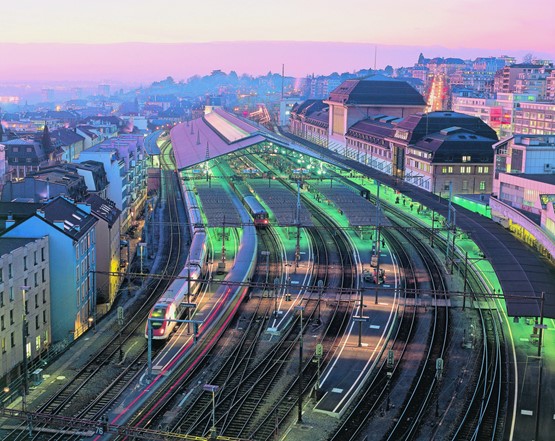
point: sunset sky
(85, 34)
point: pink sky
(144, 62)
(69, 40)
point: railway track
(280, 413)
(245, 385)
(425, 384)
(91, 391)
(485, 406)
(374, 396)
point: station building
(380, 122)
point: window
(482, 185)
(35, 261)
(35, 276)
(42, 254)
(44, 316)
(37, 343)
(486, 169)
(43, 275)
(11, 317)
(1, 298)
(466, 159)
(465, 185)
(44, 296)
(12, 339)
(3, 345)
(26, 306)
(2, 323)
(10, 271)
(11, 293)
(36, 301)
(37, 322)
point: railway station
(336, 254)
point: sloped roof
(370, 127)
(7, 244)
(451, 145)
(377, 91)
(76, 221)
(65, 137)
(422, 124)
(104, 209)
(218, 135)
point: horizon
(176, 59)
(130, 41)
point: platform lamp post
(24, 332)
(276, 284)
(212, 388)
(466, 261)
(320, 289)
(300, 308)
(540, 326)
(267, 255)
(142, 246)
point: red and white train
(171, 304)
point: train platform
(359, 211)
(217, 204)
(281, 202)
(524, 274)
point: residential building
(528, 154)
(24, 302)
(523, 78)
(24, 156)
(535, 118)
(47, 183)
(108, 235)
(95, 177)
(486, 109)
(124, 161)
(69, 141)
(72, 257)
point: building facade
(24, 302)
(72, 257)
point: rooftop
(377, 90)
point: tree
(528, 58)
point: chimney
(10, 221)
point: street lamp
(300, 308)
(276, 284)
(213, 389)
(466, 260)
(24, 329)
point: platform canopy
(219, 133)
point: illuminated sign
(545, 199)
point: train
(258, 213)
(170, 306)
